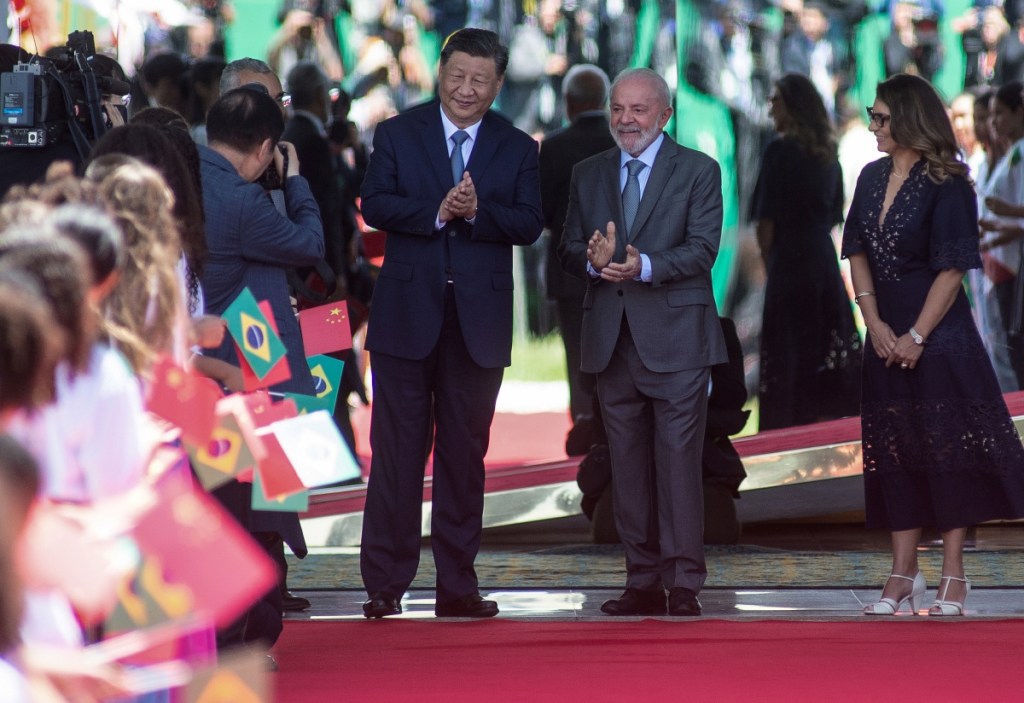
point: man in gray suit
(643, 228)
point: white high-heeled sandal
(888, 606)
(943, 607)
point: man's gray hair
(648, 75)
(586, 84)
(231, 77)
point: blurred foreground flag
(316, 450)
(326, 328)
(277, 476)
(184, 399)
(264, 411)
(260, 345)
(295, 502)
(201, 548)
(222, 457)
(148, 600)
(240, 676)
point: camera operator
(28, 164)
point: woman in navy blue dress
(810, 347)
(940, 449)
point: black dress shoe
(683, 602)
(636, 602)
(293, 603)
(471, 606)
(381, 605)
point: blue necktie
(631, 193)
(458, 164)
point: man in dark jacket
(585, 91)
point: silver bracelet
(856, 298)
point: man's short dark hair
(477, 42)
(307, 83)
(166, 64)
(243, 118)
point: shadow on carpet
(603, 566)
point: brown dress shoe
(636, 602)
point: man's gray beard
(645, 139)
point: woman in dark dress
(810, 348)
(939, 446)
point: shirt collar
(450, 128)
(647, 155)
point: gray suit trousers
(655, 424)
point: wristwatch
(916, 336)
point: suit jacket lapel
(483, 150)
(437, 150)
(664, 165)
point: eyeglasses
(878, 119)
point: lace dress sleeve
(954, 234)
(854, 226)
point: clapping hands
(601, 249)
(460, 200)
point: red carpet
(908, 661)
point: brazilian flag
(252, 332)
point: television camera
(48, 97)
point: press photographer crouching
(55, 107)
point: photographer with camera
(303, 36)
(252, 244)
(913, 45)
(55, 107)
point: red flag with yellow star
(326, 328)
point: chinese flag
(326, 328)
(264, 411)
(184, 399)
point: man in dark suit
(455, 187)
(306, 129)
(585, 91)
(643, 227)
(252, 244)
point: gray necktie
(458, 164)
(631, 193)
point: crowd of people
(226, 178)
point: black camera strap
(77, 133)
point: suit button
(451, 234)
(619, 291)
